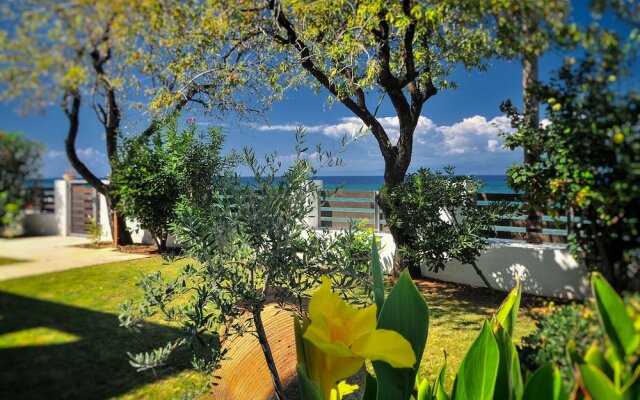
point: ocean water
(492, 183)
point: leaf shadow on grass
(95, 366)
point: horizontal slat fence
(41, 200)
(340, 209)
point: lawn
(8, 261)
(59, 334)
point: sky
(457, 127)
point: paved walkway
(46, 254)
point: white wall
(544, 269)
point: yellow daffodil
(341, 337)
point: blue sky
(458, 127)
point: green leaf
(376, 273)
(508, 312)
(598, 386)
(406, 312)
(439, 393)
(424, 391)
(476, 377)
(545, 383)
(595, 357)
(310, 390)
(614, 318)
(509, 379)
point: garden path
(44, 254)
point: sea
(492, 183)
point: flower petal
(388, 346)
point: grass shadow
(94, 365)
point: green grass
(456, 316)
(59, 337)
(7, 261)
(59, 334)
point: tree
(438, 211)
(251, 246)
(400, 51)
(109, 55)
(155, 172)
(527, 30)
(20, 160)
(590, 155)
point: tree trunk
(266, 349)
(531, 113)
(392, 178)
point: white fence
(545, 269)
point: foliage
(251, 246)
(590, 149)
(20, 160)
(559, 325)
(95, 232)
(363, 53)
(355, 243)
(491, 367)
(438, 212)
(155, 172)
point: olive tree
(250, 245)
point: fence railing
(41, 200)
(342, 208)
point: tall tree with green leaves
(367, 52)
(113, 57)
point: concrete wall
(40, 224)
(545, 269)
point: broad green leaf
(508, 312)
(614, 318)
(376, 273)
(424, 391)
(545, 383)
(476, 378)
(297, 330)
(598, 386)
(310, 390)
(595, 357)
(406, 312)
(509, 380)
(439, 393)
(370, 388)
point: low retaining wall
(544, 269)
(40, 225)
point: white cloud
(471, 135)
(89, 153)
(56, 154)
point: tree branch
(71, 107)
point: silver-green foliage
(250, 245)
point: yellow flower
(557, 107)
(341, 337)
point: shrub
(590, 157)
(438, 212)
(556, 327)
(95, 232)
(20, 160)
(154, 173)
